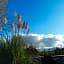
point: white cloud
(45, 41)
(41, 41)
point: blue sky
(44, 16)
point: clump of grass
(15, 46)
(16, 49)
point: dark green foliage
(31, 51)
(4, 55)
(17, 50)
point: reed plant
(15, 46)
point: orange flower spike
(19, 18)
